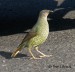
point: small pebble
(4, 65)
(4, 61)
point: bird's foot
(45, 56)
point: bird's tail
(19, 48)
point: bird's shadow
(7, 55)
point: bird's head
(45, 13)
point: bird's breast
(43, 30)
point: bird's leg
(33, 57)
(42, 54)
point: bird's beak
(51, 11)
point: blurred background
(16, 16)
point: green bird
(37, 35)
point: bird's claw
(45, 56)
(40, 57)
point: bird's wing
(29, 36)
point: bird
(36, 36)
